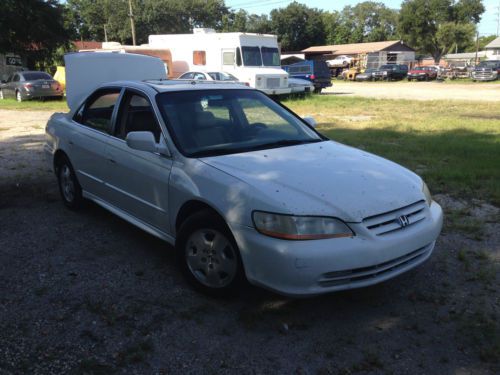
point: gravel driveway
(85, 292)
(418, 90)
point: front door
(138, 180)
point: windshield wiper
(288, 142)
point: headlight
(427, 193)
(290, 227)
(384, 73)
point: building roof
(495, 43)
(464, 56)
(353, 48)
(86, 44)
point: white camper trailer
(253, 58)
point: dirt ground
(87, 293)
(418, 90)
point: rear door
(138, 180)
(88, 139)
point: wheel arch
(59, 157)
(190, 208)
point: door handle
(112, 161)
(71, 143)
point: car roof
(170, 85)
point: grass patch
(481, 331)
(35, 105)
(454, 146)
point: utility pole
(498, 18)
(132, 24)
(105, 34)
(477, 47)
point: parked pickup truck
(422, 73)
(486, 71)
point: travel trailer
(253, 58)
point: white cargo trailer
(253, 58)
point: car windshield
(222, 76)
(270, 56)
(488, 64)
(217, 122)
(251, 56)
(35, 76)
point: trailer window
(251, 56)
(270, 56)
(199, 58)
(228, 58)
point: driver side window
(137, 114)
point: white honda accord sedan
(241, 186)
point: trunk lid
(85, 71)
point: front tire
(69, 187)
(208, 255)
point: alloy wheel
(211, 258)
(67, 183)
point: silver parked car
(30, 85)
(241, 186)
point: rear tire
(208, 255)
(69, 187)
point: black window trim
(164, 129)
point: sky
(487, 26)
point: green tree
(368, 22)
(298, 26)
(33, 29)
(89, 17)
(437, 27)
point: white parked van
(253, 58)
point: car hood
(325, 178)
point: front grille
(389, 222)
(336, 278)
(483, 74)
(273, 83)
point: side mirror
(311, 121)
(145, 141)
(142, 141)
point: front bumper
(304, 268)
(419, 77)
(277, 91)
(484, 76)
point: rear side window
(16, 78)
(98, 110)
